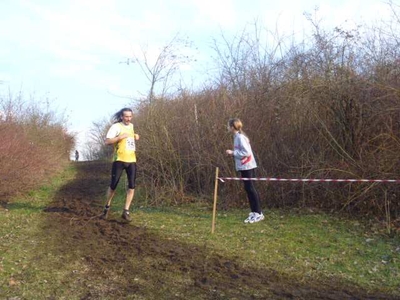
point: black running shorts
(116, 172)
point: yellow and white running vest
(125, 149)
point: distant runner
(122, 135)
(76, 155)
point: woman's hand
(229, 152)
(136, 137)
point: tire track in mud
(127, 261)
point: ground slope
(124, 261)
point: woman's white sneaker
(249, 218)
(257, 217)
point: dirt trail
(124, 261)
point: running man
(122, 136)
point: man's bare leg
(110, 196)
(129, 197)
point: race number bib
(130, 144)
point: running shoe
(126, 216)
(257, 217)
(104, 214)
(249, 218)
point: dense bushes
(326, 107)
(35, 145)
(328, 110)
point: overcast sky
(70, 51)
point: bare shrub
(35, 145)
(326, 107)
(328, 110)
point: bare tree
(95, 148)
(167, 63)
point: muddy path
(124, 261)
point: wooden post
(215, 200)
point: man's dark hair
(117, 117)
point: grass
(303, 245)
(27, 258)
(300, 244)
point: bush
(329, 110)
(326, 107)
(35, 145)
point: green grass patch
(28, 260)
(305, 246)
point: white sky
(69, 50)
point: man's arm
(111, 141)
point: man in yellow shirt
(122, 136)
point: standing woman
(122, 136)
(245, 164)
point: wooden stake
(215, 200)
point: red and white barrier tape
(310, 180)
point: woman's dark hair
(117, 117)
